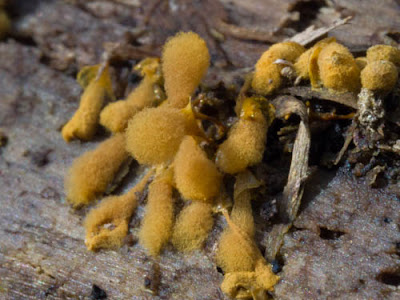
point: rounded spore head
(379, 76)
(185, 61)
(153, 135)
(384, 52)
(267, 77)
(338, 69)
(302, 65)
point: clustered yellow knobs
(160, 130)
(328, 64)
(381, 71)
(245, 144)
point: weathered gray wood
(42, 252)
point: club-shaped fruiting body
(91, 173)
(185, 61)
(196, 177)
(156, 228)
(107, 224)
(97, 87)
(230, 255)
(192, 226)
(245, 144)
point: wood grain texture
(42, 251)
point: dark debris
(97, 293)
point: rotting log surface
(345, 243)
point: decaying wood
(42, 251)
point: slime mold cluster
(159, 126)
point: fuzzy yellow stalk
(246, 140)
(158, 220)
(196, 177)
(83, 124)
(91, 173)
(230, 256)
(192, 227)
(115, 116)
(259, 279)
(107, 224)
(185, 61)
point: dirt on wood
(345, 243)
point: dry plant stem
(246, 33)
(275, 239)
(107, 224)
(348, 99)
(158, 220)
(347, 142)
(293, 191)
(330, 116)
(298, 173)
(124, 51)
(152, 9)
(310, 34)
